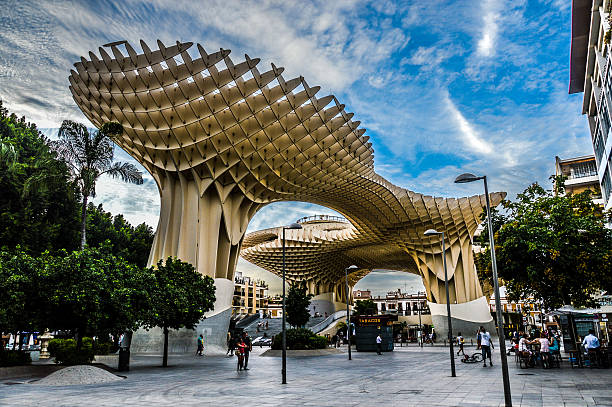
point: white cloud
(487, 42)
(470, 136)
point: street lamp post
(432, 232)
(284, 367)
(348, 315)
(461, 179)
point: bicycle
(475, 358)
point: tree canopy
(297, 305)
(364, 307)
(38, 201)
(126, 241)
(179, 297)
(87, 292)
(553, 248)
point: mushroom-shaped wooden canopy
(222, 139)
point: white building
(590, 73)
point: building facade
(397, 302)
(590, 72)
(581, 175)
(249, 295)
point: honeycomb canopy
(222, 139)
(217, 119)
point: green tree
(364, 307)
(297, 305)
(130, 243)
(553, 248)
(179, 297)
(90, 155)
(38, 201)
(22, 295)
(93, 293)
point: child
(240, 353)
(460, 342)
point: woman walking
(240, 350)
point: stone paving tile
(406, 377)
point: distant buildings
(590, 73)
(396, 302)
(249, 295)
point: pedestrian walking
(485, 345)
(379, 345)
(200, 345)
(460, 342)
(246, 339)
(231, 345)
(240, 353)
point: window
(605, 119)
(605, 184)
(583, 169)
(598, 144)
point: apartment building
(590, 73)
(249, 295)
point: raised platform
(291, 353)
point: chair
(575, 358)
(555, 359)
(525, 359)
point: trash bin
(124, 360)
(35, 355)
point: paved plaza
(407, 377)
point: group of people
(262, 326)
(535, 348)
(241, 346)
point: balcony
(575, 181)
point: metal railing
(328, 321)
(322, 218)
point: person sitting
(591, 345)
(544, 350)
(553, 346)
(525, 354)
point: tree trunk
(20, 340)
(83, 222)
(79, 339)
(165, 359)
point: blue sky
(442, 87)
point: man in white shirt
(591, 345)
(590, 341)
(485, 345)
(379, 344)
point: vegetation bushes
(65, 351)
(14, 358)
(300, 339)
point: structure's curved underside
(222, 139)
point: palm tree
(90, 155)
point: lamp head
(351, 268)
(466, 177)
(431, 232)
(293, 226)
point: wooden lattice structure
(222, 139)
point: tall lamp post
(348, 315)
(461, 179)
(432, 232)
(284, 368)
